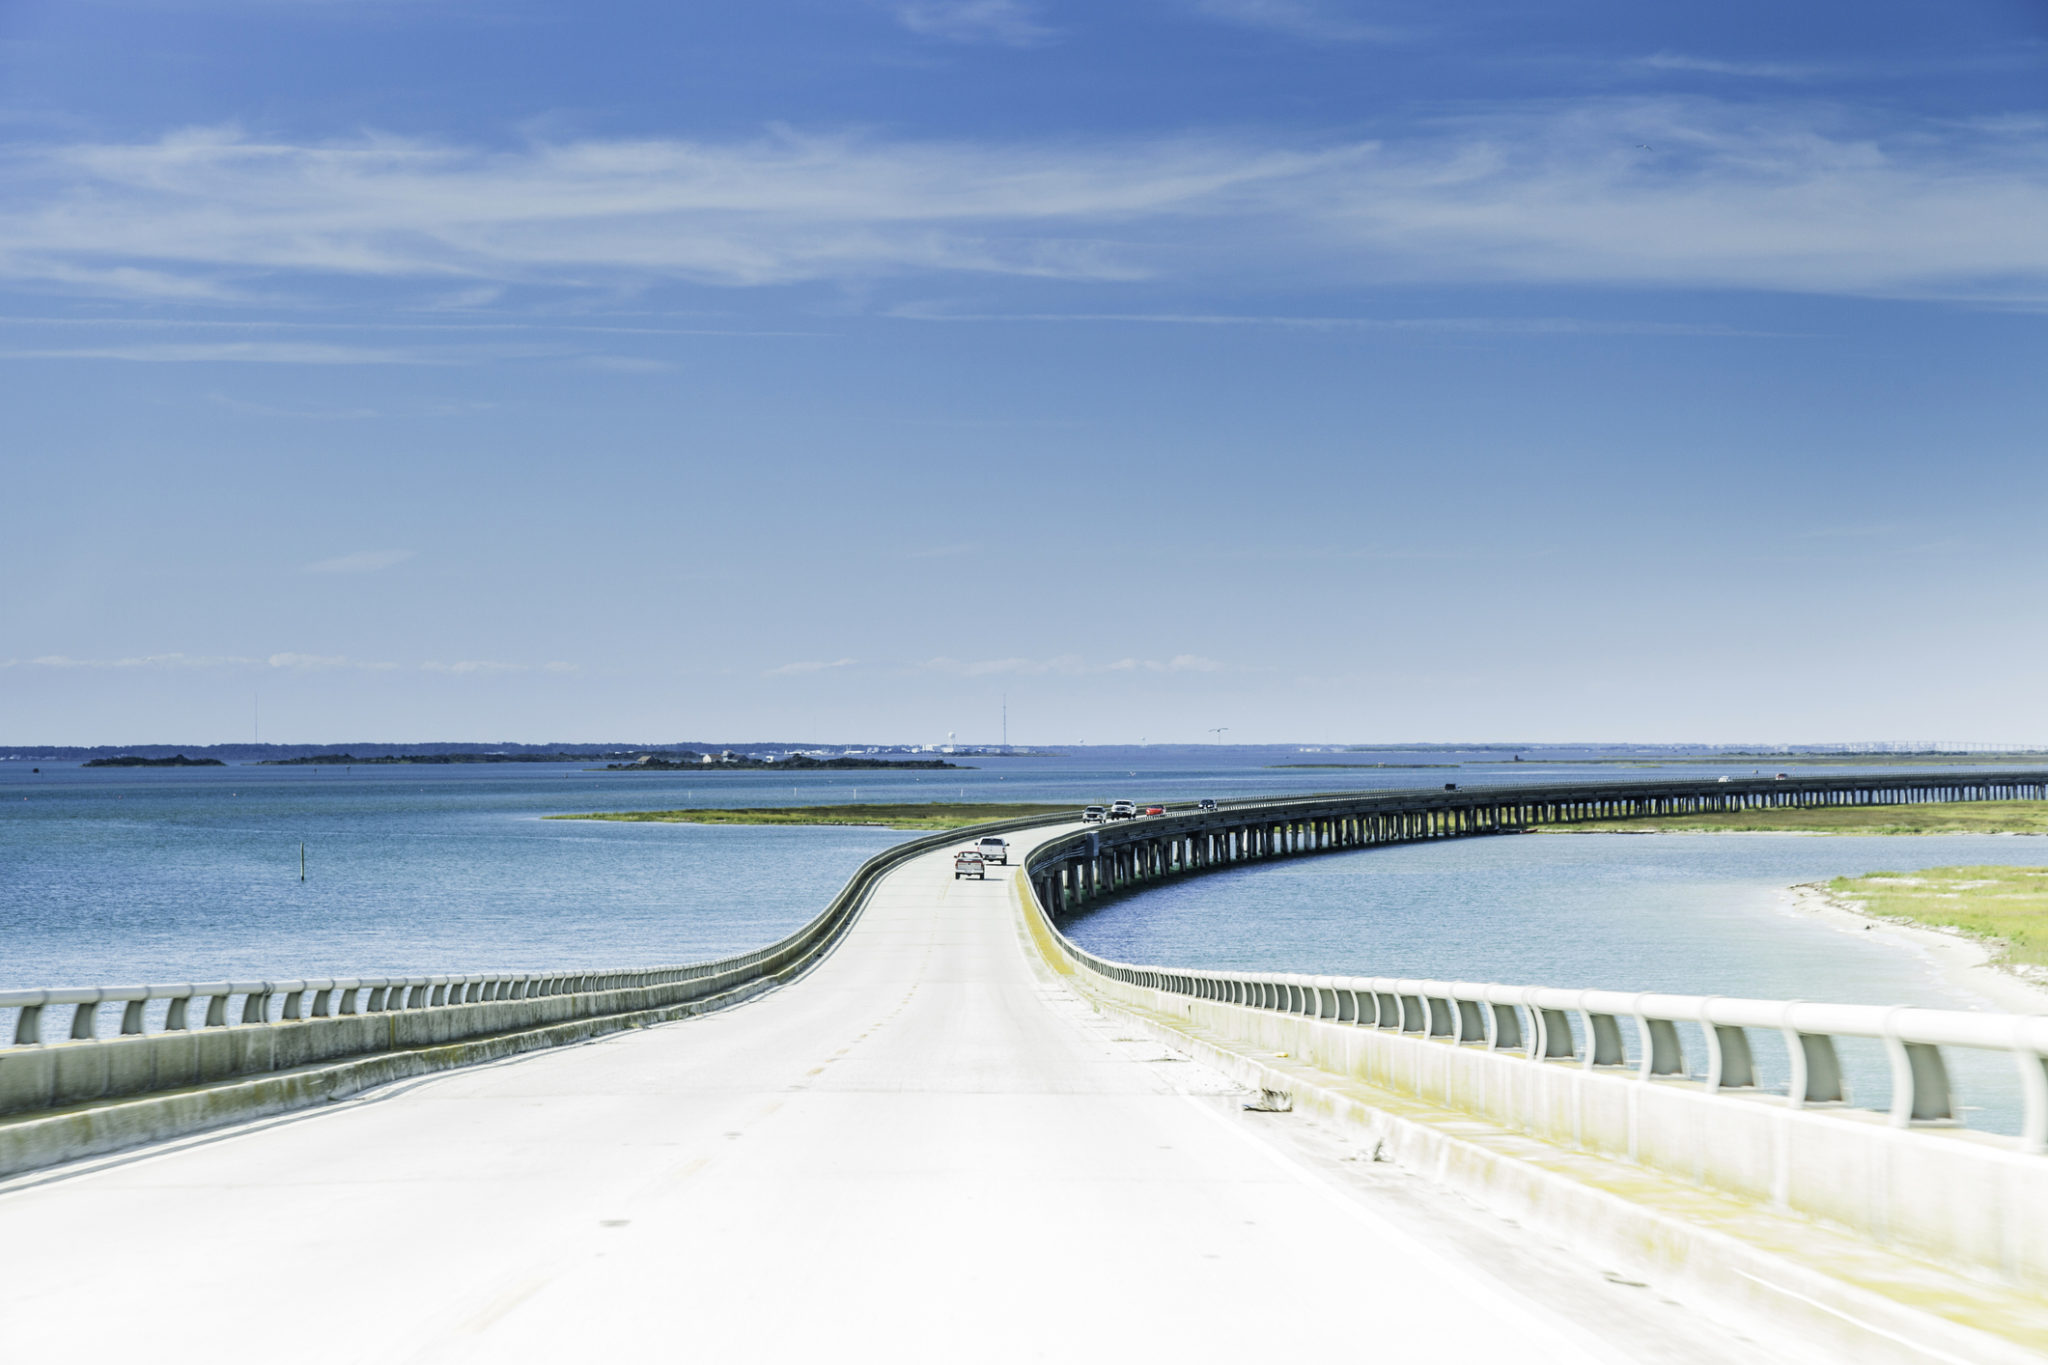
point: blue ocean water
(119, 876)
(123, 875)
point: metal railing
(273, 1001)
(1596, 1029)
(225, 1009)
(1536, 1022)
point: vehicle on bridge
(1123, 810)
(967, 863)
(1094, 815)
(1206, 803)
(1155, 810)
(994, 849)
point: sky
(1168, 370)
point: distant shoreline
(1941, 817)
(901, 815)
(1973, 962)
(136, 761)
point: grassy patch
(924, 815)
(1957, 817)
(2008, 905)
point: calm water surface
(1697, 914)
(120, 876)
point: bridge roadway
(926, 1148)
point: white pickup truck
(967, 863)
(994, 850)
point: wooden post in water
(302, 860)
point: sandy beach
(1962, 961)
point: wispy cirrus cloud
(170, 660)
(1179, 663)
(238, 352)
(481, 666)
(326, 663)
(1317, 22)
(802, 666)
(1503, 326)
(1712, 66)
(1685, 192)
(982, 668)
(362, 561)
(1008, 23)
(290, 661)
(1069, 665)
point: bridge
(927, 1124)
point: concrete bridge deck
(925, 1148)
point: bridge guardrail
(211, 1031)
(1605, 1071)
(1536, 1020)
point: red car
(1155, 810)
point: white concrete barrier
(191, 1055)
(1558, 1065)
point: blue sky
(835, 368)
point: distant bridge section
(1115, 857)
(1601, 1072)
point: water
(120, 876)
(111, 878)
(1700, 914)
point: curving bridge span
(928, 1126)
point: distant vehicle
(967, 863)
(1783, 776)
(1206, 803)
(1094, 815)
(994, 850)
(1450, 786)
(1123, 810)
(1155, 810)
(1720, 779)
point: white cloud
(807, 666)
(1296, 18)
(1776, 71)
(1008, 23)
(1070, 665)
(239, 352)
(1512, 326)
(1689, 193)
(362, 561)
(1065, 663)
(173, 660)
(475, 666)
(1179, 663)
(322, 663)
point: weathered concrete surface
(925, 1149)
